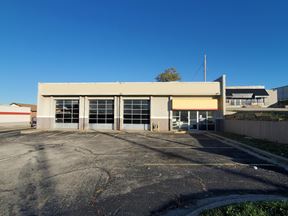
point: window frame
(66, 111)
(101, 111)
(136, 111)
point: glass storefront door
(193, 124)
(202, 120)
(180, 120)
(193, 120)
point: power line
(199, 67)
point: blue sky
(121, 40)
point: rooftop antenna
(205, 68)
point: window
(67, 111)
(101, 111)
(210, 120)
(180, 119)
(238, 102)
(260, 101)
(136, 112)
(202, 120)
(176, 119)
(247, 102)
(193, 120)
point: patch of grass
(272, 147)
(259, 115)
(262, 208)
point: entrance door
(202, 120)
(184, 120)
(180, 120)
(193, 120)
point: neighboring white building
(282, 93)
(249, 96)
(14, 116)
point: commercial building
(160, 106)
(246, 96)
(14, 116)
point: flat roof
(246, 87)
(253, 92)
(105, 83)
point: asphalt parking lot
(121, 173)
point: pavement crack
(201, 182)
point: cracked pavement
(124, 173)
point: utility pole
(205, 68)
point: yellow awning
(197, 103)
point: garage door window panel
(127, 121)
(101, 111)
(145, 121)
(136, 112)
(129, 112)
(145, 112)
(67, 111)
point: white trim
(103, 83)
(245, 87)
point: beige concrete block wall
(131, 89)
(82, 114)
(45, 113)
(222, 98)
(117, 119)
(160, 107)
(86, 112)
(275, 131)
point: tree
(168, 75)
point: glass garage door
(136, 114)
(101, 114)
(67, 114)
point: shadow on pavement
(36, 192)
(280, 188)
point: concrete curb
(14, 130)
(30, 131)
(261, 154)
(216, 202)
